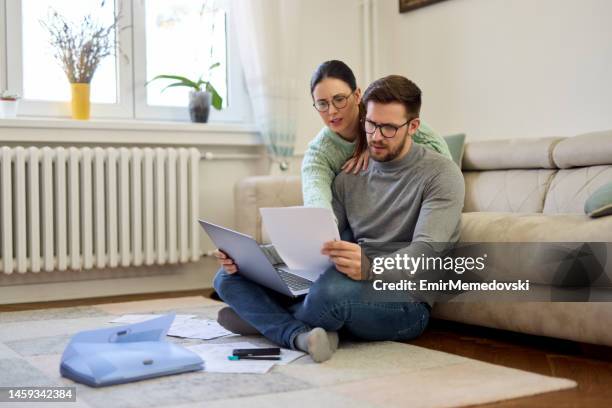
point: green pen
(236, 358)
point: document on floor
(198, 329)
(138, 318)
(183, 326)
(298, 234)
(215, 358)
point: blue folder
(127, 353)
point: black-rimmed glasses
(339, 101)
(387, 130)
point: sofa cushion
(589, 149)
(510, 154)
(508, 227)
(570, 188)
(600, 202)
(456, 145)
(537, 246)
(506, 190)
(252, 193)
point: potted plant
(8, 104)
(203, 94)
(80, 48)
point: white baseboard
(191, 276)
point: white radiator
(83, 208)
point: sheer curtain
(268, 38)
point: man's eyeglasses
(339, 101)
(387, 130)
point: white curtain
(268, 38)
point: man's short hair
(395, 88)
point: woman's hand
(357, 163)
(346, 256)
(225, 262)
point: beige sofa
(521, 190)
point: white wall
(504, 68)
(328, 30)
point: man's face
(392, 116)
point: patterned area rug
(382, 374)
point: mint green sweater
(328, 151)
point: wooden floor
(590, 366)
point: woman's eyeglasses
(339, 101)
(387, 131)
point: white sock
(318, 343)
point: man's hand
(346, 256)
(225, 262)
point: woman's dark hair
(333, 69)
(339, 70)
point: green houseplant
(203, 94)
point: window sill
(127, 131)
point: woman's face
(335, 92)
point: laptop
(257, 264)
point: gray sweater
(416, 200)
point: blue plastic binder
(127, 353)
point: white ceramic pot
(8, 109)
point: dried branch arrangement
(79, 48)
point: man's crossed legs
(334, 302)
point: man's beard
(390, 154)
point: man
(408, 194)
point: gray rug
(383, 374)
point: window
(183, 23)
(50, 84)
(181, 37)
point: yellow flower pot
(80, 101)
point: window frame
(239, 106)
(130, 72)
(121, 109)
(3, 63)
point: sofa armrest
(253, 193)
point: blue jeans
(334, 302)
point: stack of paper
(138, 318)
(215, 356)
(301, 251)
(183, 326)
(198, 329)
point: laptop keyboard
(293, 281)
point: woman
(341, 144)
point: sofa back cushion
(510, 154)
(589, 149)
(252, 193)
(506, 190)
(570, 188)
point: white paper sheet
(216, 361)
(298, 234)
(137, 318)
(182, 326)
(198, 329)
